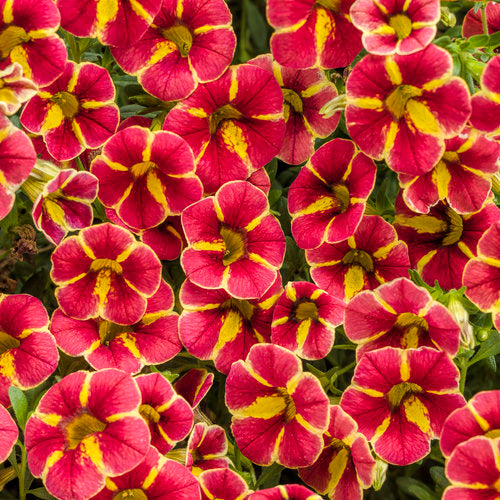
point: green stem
(22, 472)
(484, 21)
(464, 364)
(74, 48)
(79, 164)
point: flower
(372, 256)
(194, 385)
(395, 27)
(207, 448)
(279, 412)
(187, 44)
(473, 25)
(284, 492)
(400, 400)
(234, 125)
(400, 314)
(86, 427)
(345, 466)
(28, 352)
(8, 434)
(74, 113)
(230, 248)
(103, 271)
(15, 89)
(328, 197)
(215, 325)
(402, 108)
(222, 484)
(167, 240)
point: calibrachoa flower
(485, 103)
(402, 108)
(479, 417)
(146, 176)
(17, 159)
(345, 466)
(85, 428)
(207, 448)
(28, 352)
(104, 344)
(373, 255)
(284, 492)
(74, 113)
(442, 242)
(104, 271)
(395, 27)
(234, 242)
(154, 477)
(313, 33)
(328, 197)
(28, 37)
(462, 176)
(189, 42)
(168, 415)
(279, 412)
(194, 385)
(215, 325)
(223, 484)
(260, 179)
(473, 24)
(234, 125)
(400, 400)
(15, 89)
(305, 92)
(113, 22)
(482, 274)
(400, 314)
(304, 320)
(473, 470)
(8, 434)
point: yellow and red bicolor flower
(190, 42)
(400, 314)
(313, 33)
(328, 197)
(28, 352)
(486, 103)
(8, 434)
(305, 92)
(223, 484)
(17, 159)
(86, 427)
(346, 465)
(154, 477)
(14, 89)
(194, 385)
(114, 22)
(168, 415)
(28, 37)
(74, 113)
(104, 272)
(441, 243)
(279, 412)
(284, 492)
(402, 108)
(304, 320)
(396, 27)
(215, 325)
(400, 399)
(104, 344)
(474, 470)
(473, 25)
(234, 242)
(146, 176)
(234, 125)
(372, 256)
(207, 448)
(482, 274)
(462, 176)
(479, 417)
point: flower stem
(22, 472)
(484, 21)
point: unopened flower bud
(461, 316)
(380, 474)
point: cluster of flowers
(193, 187)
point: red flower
(194, 385)
(15, 89)
(8, 434)
(284, 492)
(207, 448)
(223, 484)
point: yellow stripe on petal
(369, 392)
(263, 407)
(417, 413)
(92, 450)
(215, 246)
(163, 49)
(53, 119)
(280, 321)
(113, 164)
(198, 112)
(303, 332)
(254, 257)
(391, 136)
(85, 391)
(94, 104)
(51, 419)
(53, 458)
(106, 12)
(130, 342)
(465, 249)
(19, 55)
(381, 429)
(337, 467)
(441, 177)
(254, 223)
(315, 88)
(320, 205)
(405, 367)
(234, 139)
(110, 485)
(155, 187)
(7, 368)
(291, 293)
(422, 223)
(367, 103)
(393, 71)
(482, 422)
(8, 15)
(152, 475)
(140, 11)
(323, 30)
(383, 252)
(233, 89)
(425, 260)
(422, 117)
(354, 281)
(229, 330)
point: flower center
(80, 427)
(11, 37)
(235, 245)
(68, 103)
(493, 434)
(455, 228)
(306, 309)
(399, 97)
(451, 157)
(140, 169)
(293, 100)
(341, 194)
(99, 265)
(7, 342)
(401, 24)
(400, 392)
(332, 5)
(108, 331)
(226, 112)
(412, 327)
(131, 494)
(356, 257)
(243, 307)
(290, 410)
(149, 414)
(181, 36)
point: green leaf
(258, 27)
(41, 493)
(19, 404)
(491, 347)
(415, 489)
(437, 474)
(270, 476)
